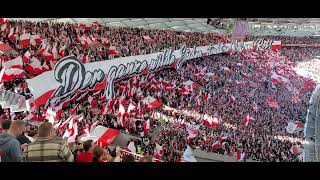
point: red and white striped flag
(55, 52)
(255, 107)
(14, 63)
(192, 131)
(34, 67)
(210, 121)
(85, 59)
(159, 151)
(247, 120)
(151, 102)
(216, 145)
(296, 150)
(45, 67)
(61, 51)
(146, 127)
(36, 39)
(272, 103)
(121, 111)
(148, 39)
(112, 50)
(240, 155)
(105, 42)
(276, 45)
(12, 73)
(43, 48)
(25, 40)
(50, 115)
(277, 79)
(101, 135)
(26, 57)
(232, 99)
(11, 34)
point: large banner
(71, 77)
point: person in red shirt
(86, 155)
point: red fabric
(1, 129)
(84, 157)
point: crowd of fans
(247, 79)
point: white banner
(70, 76)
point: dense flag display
(142, 100)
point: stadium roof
(257, 26)
(177, 24)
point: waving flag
(148, 39)
(146, 126)
(14, 63)
(240, 155)
(192, 131)
(61, 51)
(25, 40)
(210, 121)
(158, 151)
(309, 85)
(50, 115)
(216, 145)
(101, 135)
(272, 103)
(277, 79)
(112, 50)
(85, 26)
(296, 150)
(26, 57)
(276, 45)
(11, 34)
(151, 102)
(43, 48)
(13, 73)
(293, 127)
(34, 67)
(255, 107)
(247, 120)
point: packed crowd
(225, 89)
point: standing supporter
(86, 155)
(128, 158)
(99, 154)
(47, 148)
(9, 145)
(5, 125)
